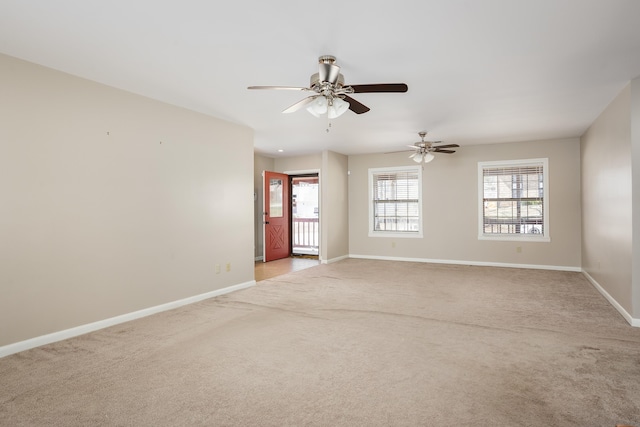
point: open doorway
(305, 215)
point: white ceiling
(478, 71)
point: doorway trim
(311, 172)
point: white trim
(546, 237)
(263, 209)
(259, 258)
(303, 172)
(332, 260)
(514, 238)
(101, 324)
(633, 322)
(309, 172)
(475, 263)
(396, 234)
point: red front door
(277, 243)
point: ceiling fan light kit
(318, 106)
(419, 157)
(337, 107)
(333, 107)
(331, 95)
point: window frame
(521, 237)
(395, 234)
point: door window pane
(275, 198)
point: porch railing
(305, 233)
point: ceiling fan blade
(401, 151)
(300, 104)
(355, 106)
(280, 88)
(443, 151)
(447, 146)
(380, 87)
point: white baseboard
(478, 263)
(91, 327)
(612, 301)
(332, 260)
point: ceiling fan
(424, 149)
(331, 96)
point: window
(395, 208)
(513, 200)
(275, 198)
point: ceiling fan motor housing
(328, 77)
(424, 146)
(316, 82)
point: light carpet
(355, 343)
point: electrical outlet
(228, 266)
(217, 268)
(393, 244)
(519, 249)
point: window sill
(514, 238)
(394, 234)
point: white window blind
(514, 199)
(396, 200)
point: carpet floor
(355, 343)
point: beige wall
(298, 163)
(450, 208)
(334, 217)
(607, 201)
(112, 203)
